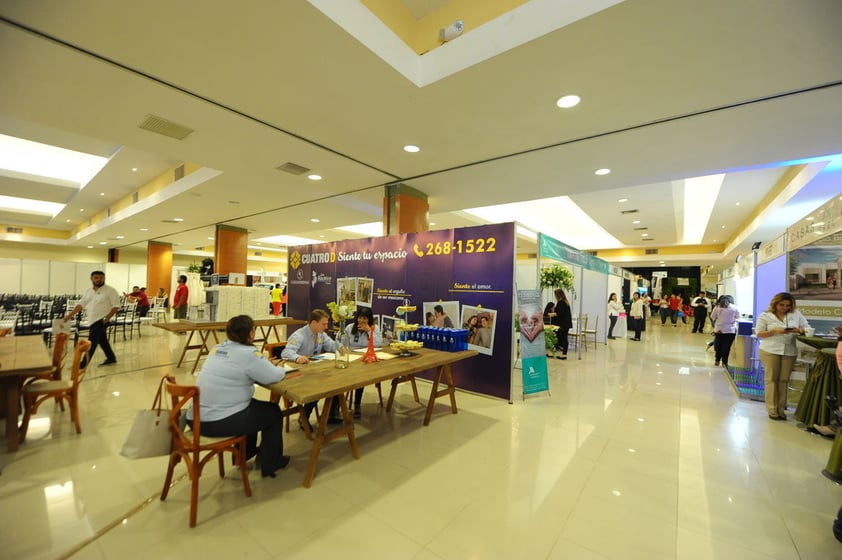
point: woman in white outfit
(777, 328)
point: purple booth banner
(472, 266)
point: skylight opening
(64, 167)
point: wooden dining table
(20, 356)
(265, 330)
(322, 380)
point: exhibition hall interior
(465, 147)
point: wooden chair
(586, 332)
(36, 393)
(196, 450)
(54, 371)
(579, 332)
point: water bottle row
(440, 338)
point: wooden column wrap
(158, 268)
(405, 210)
(230, 253)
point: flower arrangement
(557, 276)
(341, 313)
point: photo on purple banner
(441, 313)
(346, 291)
(388, 327)
(365, 291)
(481, 323)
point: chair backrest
(59, 354)
(182, 397)
(83, 348)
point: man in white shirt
(102, 302)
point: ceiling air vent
(591, 253)
(293, 168)
(651, 251)
(160, 125)
(640, 228)
(258, 253)
(648, 239)
(635, 211)
(171, 221)
(178, 173)
(14, 230)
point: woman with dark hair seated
(226, 387)
(359, 332)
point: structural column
(405, 210)
(158, 267)
(230, 254)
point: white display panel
(63, 279)
(10, 276)
(35, 276)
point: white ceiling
(670, 90)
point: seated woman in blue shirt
(226, 389)
(359, 332)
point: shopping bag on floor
(150, 434)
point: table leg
(12, 410)
(322, 437)
(184, 350)
(435, 393)
(203, 348)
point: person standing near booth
(276, 300)
(614, 309)
(777, 328)
(637, 315)
(179, 300)
(563, 319)
(725, 316)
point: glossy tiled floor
(641, 451)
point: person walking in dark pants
(700, 313)
(725, 315)
(636, 313)
(102, 302)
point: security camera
(452, 31)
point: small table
(321, 380)
(265, 327)
(20, 356)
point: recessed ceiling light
(411, 148)
(623, 200)
(81, 209)
(817, 224)
(321, 237)
(432, 223)
(636, 222)
(644, 235)
(134, 168)
(809, 218)
(178, 219)
(314, 177)
(260, 243)
(314, 220)
(102, 194)
(90, 246)
(567, 101)
(603, 171)
(210, 238)
(723, 227)
(738, 204)
(144, 229)
(103, 242)
(121, 237)
(67, 220)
